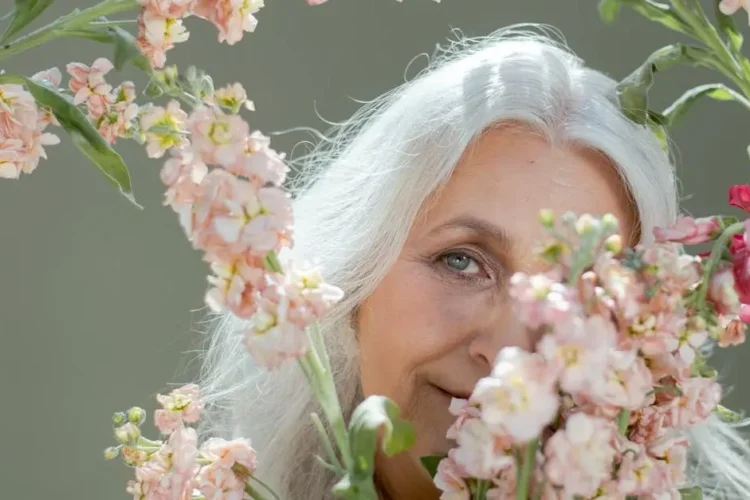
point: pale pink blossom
(119, 119)
(480, 452)
(271, 338)
(580, 456)
(450, 480)
(50, 77)
(626, 382)
(722, 292)
(671, 454)
(231, 97)
(231, 464)
(540, 299)
(259, 163)
(89, 85)
(234, 284)
(157, 34)
(520, 397)
(689, 231)
(183, 405)
(197, 217)
(255, 220)
(729, 7)
(577, 350)
(231, 17)
(217, 137)
(169, 473)
(463, 410)
(699, 398)
(732, 334)
(164, 128)
(621, 284)
(167, 8)
(182, 173)
(637, 473)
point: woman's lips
(452, 394)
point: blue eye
(462, 263)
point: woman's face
(435, 323)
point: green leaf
(608, 10)
(633, 89)
(729, 30)
(716, 91)
(694, 493)
(83, 133)
(660, 13)
(126, 50)
(728, 415)
(431, 462)
(25, 12)
(376, 417)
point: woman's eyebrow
(480, 226)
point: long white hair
(358, 193)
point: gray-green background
(100, 303)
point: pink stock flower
(218, 138)
(626, 383)
(722, 292)
(231, 17)
(729, 7)
(689, 231)
(234, 286)
(671, 461)
(164, 128)
(231, 97)
(699, 398)
(450, 480)
(741, 263)
(157, 34)
(480, 452)
(119, 120)
(732, 334)
(231, 464)
(580, 456)
(259, 163)
(739, 194)
(255, 220)
(577, 350)
(22, 139)
(648, 424)
(540, 299)
(183, 405)
(183, 174)
(89, 85)
(463, 410)
(637, 473)
(167, 8)
(621, 284)
(520, 397)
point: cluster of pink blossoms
(225, 183)
(618, 373)
(160, 22)
(22, 124)
(177, 468)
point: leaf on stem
(694, 493)
(24, 13)
(717, 91)
(83, 133)
(608, 10)
(659, 12)
(376, 417)
(126, 50)
(728, 30)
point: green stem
(719, 245)
(265, 487)
(524, 477)
(76, 20)
(481, 492)
(623, 420)
(326, 443)
(254, 494)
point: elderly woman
(420, 209)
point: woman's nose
(500, 329)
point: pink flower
(231, 97)
(167, 8)
(234, 286)
(689, 231)
(740, 253)
(183, 405)
(217, 138)
(637, 473)
(164, 128)
(699, 398)
(648, 424)
(168, 474)
(231, 17)
(119, 120)
(621, 284)
(671, 461)
(464, 411)
(183, 174)
(722, 292)
(739, 194)
(259, 163)
(732, 334)
(255, 220)
(520, 397)
(580, 456)
(577, 350)
(89, 85)
(626, 382)
(231, 464)
(50, 77)
(272, 339)
(449, 479)
(157, 34)
(480, 452)
(541, 300)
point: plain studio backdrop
(100, 303)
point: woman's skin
(435, 323)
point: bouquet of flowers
(598, 410)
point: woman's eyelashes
(464, 264)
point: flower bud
(127, 433)
(547, 218)
(609, 223)
(613, 243)
(111, 452)
(119, 418)
(136, 415)
(586, 224)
